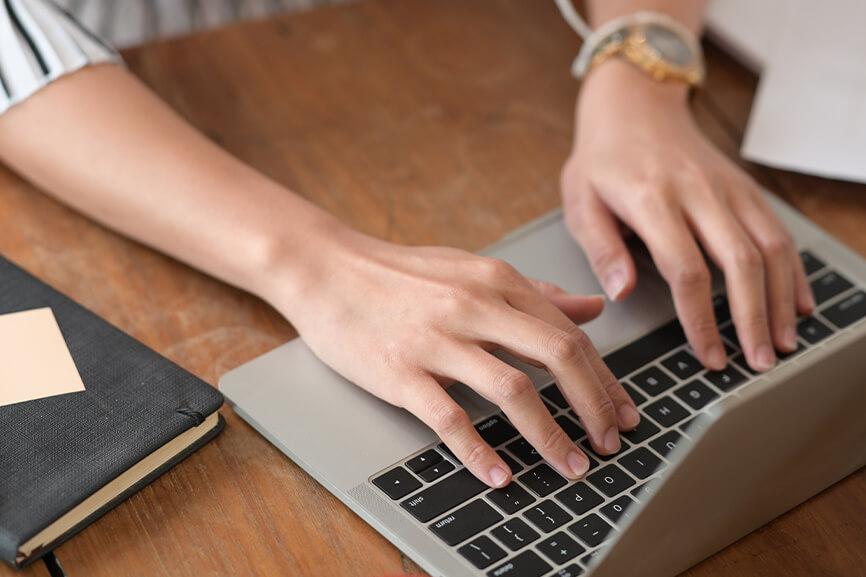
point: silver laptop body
(756, 450)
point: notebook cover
(56, 451)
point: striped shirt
(39, 43)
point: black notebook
(68, 459)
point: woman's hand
(405, 322)
(639, 160)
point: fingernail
(717, 357)
(578, 463)
(810, 301)
(614, 284)
(790, 338)
(628, 417)
(498, 476)
(765, 357)
(611, 440)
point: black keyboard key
(424, 460)
(572, 429)
(592, 530)
(527, 564)
(572, 570)
(511, 499)
(482, 552)
(645, 491)
(644, 430)
(653, 381)
(550, 408)
(682, 364)
(444, 495)
(740, 361)
(666, 411)
(547, 516)
(696, 425)
(727, 379)
(696, 394)
(554, 395)
(812, 330)
(637, 397)
(730, 333)
(524, 451)
(646, 349)
(579, 498)
(666, 443)
(430, 474)
(560, 548)
(587, 448)
(810, 262)
(589, 558)
(515, 534)
(542, 480)
(444, 448)
(721, 309)
(397, 483)
(618, 509)
(610, 480)
(510, 461)
(829, 285)
(495, 430)
(847, 311)
(641, 462)
(465, 522)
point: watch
(654, 43)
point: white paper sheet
(810, 111)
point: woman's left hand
(640, 161)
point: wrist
(291, 260)
(616, 81)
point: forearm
(102, 143)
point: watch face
(669, 46)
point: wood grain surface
(416, 121)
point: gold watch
(655, 44)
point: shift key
(445, 495)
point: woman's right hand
(405, 322)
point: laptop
(717, 454)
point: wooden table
(417, 121)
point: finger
(561, 352)
(780, 261)
(626, 411)
(598, 232)
(513, 391)
(428, 401)
(680, 262)
(578, 308)
(804, 299)
(733, 251)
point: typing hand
(640, 161)
(405, 322)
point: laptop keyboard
(544, 525)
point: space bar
(445, 495)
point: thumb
(579, 308)
(599, 234)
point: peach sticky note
(34, 359)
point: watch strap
(616, 30)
